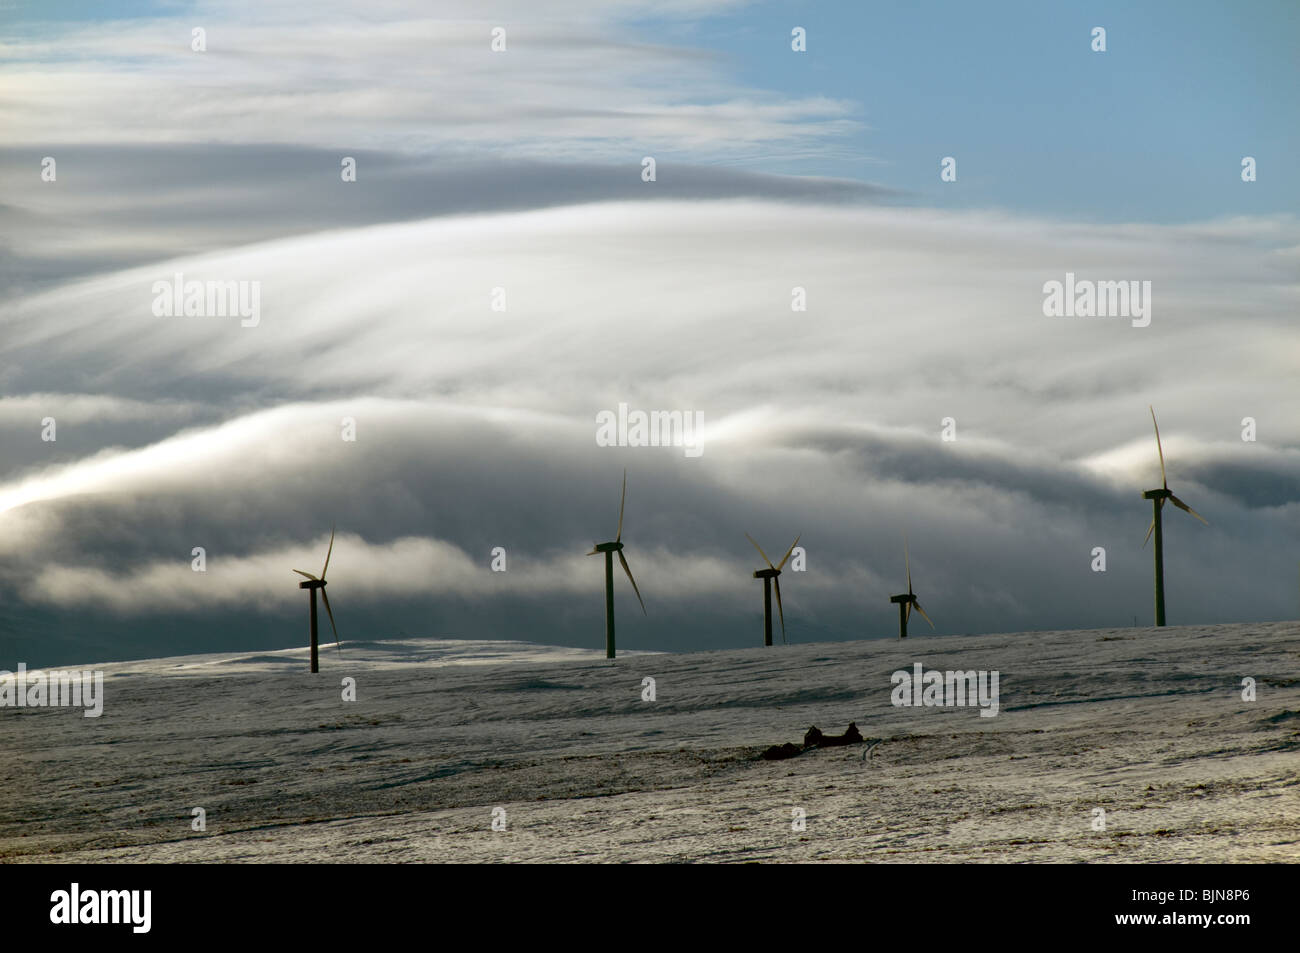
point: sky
(516, 177)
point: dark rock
(815, 739)
(781, 752)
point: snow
(1147, 724)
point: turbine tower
(1157, 498)
(313, 584)
(609, 549)
(907, 600)
(771, 576)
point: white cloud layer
(475, 427)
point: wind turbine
(770, 576)
(609, 549)
(312, 584)
(907, 600)
(1157, 498)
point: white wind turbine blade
(622, 501)
(330, 612)
(922, 611)
(622, 560)
(1183, 506)
(760, 551)
(781, 564)
(907, 562)
(328, 553)
(1159, 449)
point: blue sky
(1153, 129)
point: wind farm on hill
(906, 601)
(437, 272)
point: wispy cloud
(576, 82)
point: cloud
(410, 567)
(476, 428)
(117, 206)
(575, 81)
(85, 408)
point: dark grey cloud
(127, 204)
(1261, 483)
(1001, 552)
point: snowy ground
(1147, 724)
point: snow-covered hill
(1149, 726)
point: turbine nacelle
(766, 573)
(613, 547)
